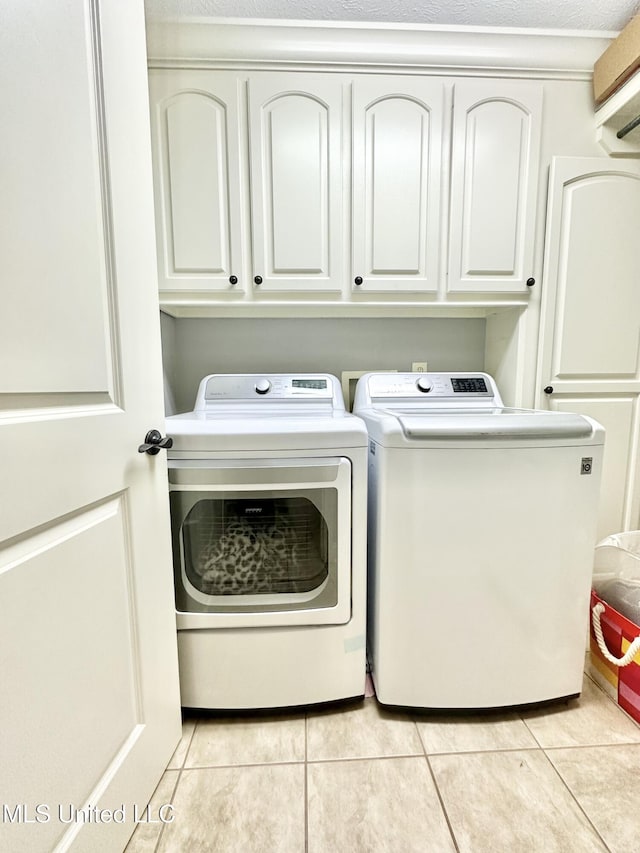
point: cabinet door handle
(257, 279)
(548, 389)
(233, 279)
(358, 280)
(531, 282)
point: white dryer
(482, 524)
(267, 484)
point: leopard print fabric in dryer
(250, 557)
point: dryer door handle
(154, 442)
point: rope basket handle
(631, 652)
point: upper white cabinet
(397, 178)
(321, 168)
(402, 130)
(198, 165)
(268, 190)
(297, 197)
(494, 185)
(248, 180)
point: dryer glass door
(259, 544)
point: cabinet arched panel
(494, 186)
(396, 180)
(197, 206)
(597, 298)
(296, 177)
(294, 142)
(196, 131)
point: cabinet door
(397, 166)
(494, 184)
(590, 332)
(297, 193)
(197, 150)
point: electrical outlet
(419, 367)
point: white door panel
(198, 155)
(397, 173)
(618, 504)
(494, 184)
(297, 193)
(44, 175)
(597, 327)
(90, 708)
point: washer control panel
(452, 388)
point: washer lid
(496, 423)
(495, 427)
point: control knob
(263, 386)
(424, 385)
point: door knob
(548, 389)
(154, 443)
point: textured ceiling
(544, 14)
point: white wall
(192, 348)
(169, 360)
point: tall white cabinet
(590, 333)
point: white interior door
(589, 358)
(89, 712)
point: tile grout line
(306, 782)
(290, 763)
(437, 787)
(173, 793)
(175, 787)
(576, 801)
(626, 743)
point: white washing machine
(267, 482)
(482, 524)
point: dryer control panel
(320, 389)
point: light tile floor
(360, 779)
